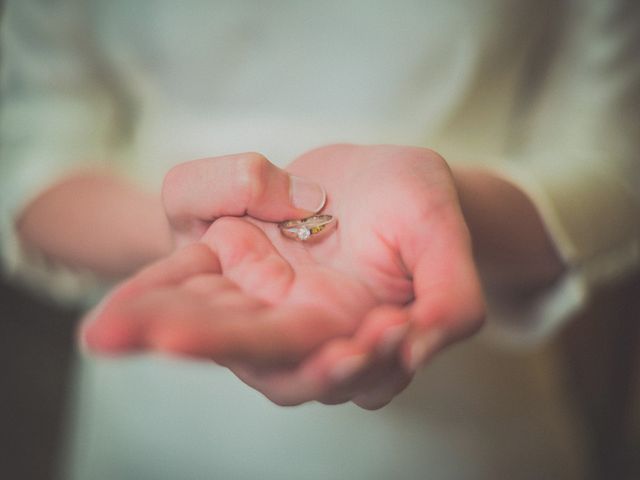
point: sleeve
(55, 117)
(578, 158)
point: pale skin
(350, 316)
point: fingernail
(391, 339)
(422, 347)
(306, 195)
(346, 368)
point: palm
(281, 272)
(389, 201)
(382, 203)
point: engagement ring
(307, 227)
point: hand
(198, 192)
(401, 232)
(183, 304)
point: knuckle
(254, 174)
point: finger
(126, 325)
(311, 380)
(248, 257)
(243, 184)
(359, 377)
(448, 303)
(174, 318)
(182, 264)
(187, 262)
(178, 321)
(361, 362)
(272, 337)
(220, 292)
(282, 388)
(381, 394)
(383, 330)
(381, 335)
(339, 368)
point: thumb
(198, 192)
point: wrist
(512, 247)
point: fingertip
(296, 393)
(420, 347)
(345, 369)
(337, 363)
(371, 404)
(107, 329)
(382, 327)
(107, 338)
(391, 339)
(382, 395)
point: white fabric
(545, 89)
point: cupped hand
(402, 235)
(391, 286)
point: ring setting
(307, 228)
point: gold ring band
(307, 228)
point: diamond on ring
(303, 233)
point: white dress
(544, 92)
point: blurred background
(601, 368)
